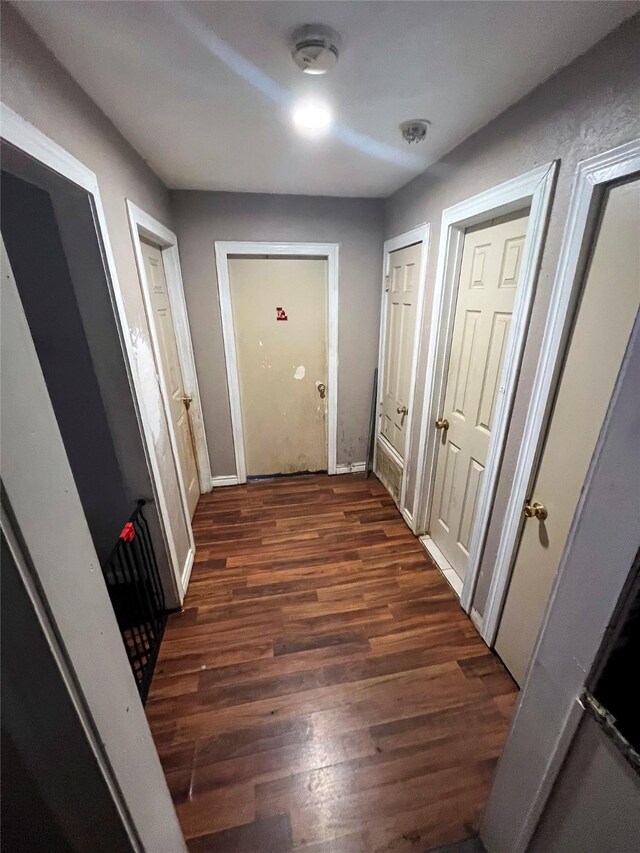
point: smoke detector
(414, 130)
(315, 48)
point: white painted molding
(476, 618)
(47, 531)
(144, 225)
(156, 231)
(407, 517)
(188, 566)
(534, 190)
(36, 144)
(330, 251)
(591, 577)
(231, 480)
(591, 177)
(351, 468)
(419, 234)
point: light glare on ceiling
(312, 115)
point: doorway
(279, 306)
(156, 251)
(488, 282)
(609, 302)
(179, 402)
(473, 363)
(280, 323)
(405, 266)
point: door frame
(586, 590)
(419, 234)
(143, 225)
(330, 251)
(22, 135)
(46, 530)
(592, 177)
(534, 189)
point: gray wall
(54, 796)
(60, 338)
(356, 224)
(595, 805)
(588, 107)
(39, 89)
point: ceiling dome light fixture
(312, 116)
(315, 48)
(414, 130)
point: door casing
(46, 530)
(330, 251)
(143, 225)
(24, 136)
(593, 176)
(420, 234)
(534, 190)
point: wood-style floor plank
(322, 690)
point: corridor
(322, 689)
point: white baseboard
(408, 518)
(186, 572)
(351, 468)
(230, 480)
(476, 618)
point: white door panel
(171, 370)
(603, 323)
(398, 350)
(489, 273)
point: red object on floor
(128, 532)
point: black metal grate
(131, 575)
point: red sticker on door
(281, 314)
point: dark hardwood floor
(322, 689)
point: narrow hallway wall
(201, 218)
(589, 107)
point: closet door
(402, 296)
(603, 323)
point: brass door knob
(535, 510)
(402, 410)
(187, 400)
(322, 390)
(442, 423)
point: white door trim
(23, 135)
(533, 189)
(144, 225)
(591, 177)
(419, 234)
(330, 251)
(47, 532)
(590, 579)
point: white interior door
(402, 296)
(607, 310)
(489, 273)
(172, 373)
(279, 309)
